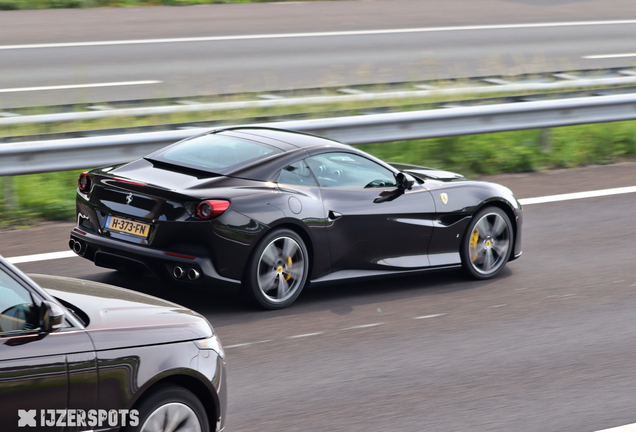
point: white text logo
(78, 418)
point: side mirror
(404, 181)
(51, 316)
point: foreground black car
(80, 355)
(271, 210)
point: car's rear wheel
(173, 409)
(277, 270)
(487, 243)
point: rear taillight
(210, 208)
(84, 182)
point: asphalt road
(185, 68)
(548, 346)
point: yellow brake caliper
(289, 264)
(474, 238)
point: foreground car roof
(246, 152)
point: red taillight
(210, 208)
(180, 256)
(84, 182)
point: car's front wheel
(487, 243)
(277, 271)
(174, 409)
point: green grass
(52, 196)
(49, 196)
(522, 151)
(67, 4)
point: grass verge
(30, 198)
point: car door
(374, 225)
(34, 366)
(303, 201)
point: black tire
(487, 243)
(277, 271)
(167, 401)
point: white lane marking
(77, 86)
(524, 201)
(626, 428)
(237, 345)
(305, 335)
(361, 326)
(498, 306)
(316, 34)
(41, 257)
(430, 316)
(246, 344)
(607, 56)
(578, 195)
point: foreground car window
(213, 152)
(17, 312)
(346, 170)
(297, 174)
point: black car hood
(120, 318)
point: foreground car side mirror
(51, 316)
(404, 181)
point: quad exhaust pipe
(179, 272)
(77, 246)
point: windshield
(213, 152)
(17, 311)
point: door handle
(334, 215)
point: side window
(297, 174)
(346, 170)
(17, 311)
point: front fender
(126, 374)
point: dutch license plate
(127, 226)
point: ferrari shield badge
(444, 198)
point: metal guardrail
(311, 114)
(475, 86)
(80, 153)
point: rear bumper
(116, 254)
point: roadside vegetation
(27, 199)
(68, 4)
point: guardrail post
(546, 139)
(9, 201)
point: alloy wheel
(281, 268)
(489, 243)
(172, 417)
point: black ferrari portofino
(270, 210)
(79, 355)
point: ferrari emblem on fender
(129, 199)
(444, 198)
